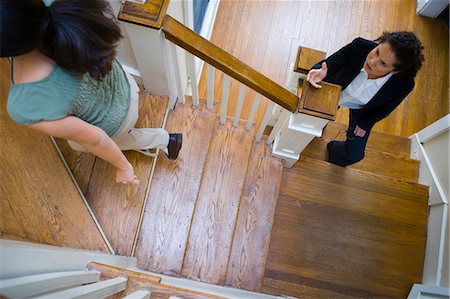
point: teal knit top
(103, 103)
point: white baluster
(265, 120)
(225, 93)
(191, 69)
(255, 107)
(101, 289)
(171, 70)
(32, 285)
(210, 99)
(240, 102)
(284, 116)
(174, 56)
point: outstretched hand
(316, 75)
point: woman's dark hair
(79, 35)
(407, 49)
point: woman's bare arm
(94, 139)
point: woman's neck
(31, 66)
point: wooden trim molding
(149, 14)
(227, 63)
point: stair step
(339, 183)
(216, 209)
(256, 213)
(360, 232)
(173, 192)
(386, 164)
(118, 206)
(396, 145)
(141, 281)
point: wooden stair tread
(345, 231)
(173, 192)
(383, 142)
(355, 190)
(256, 212)
(142, 281)
(118, 206)
(358, 176)
(386, 164)
(212, 229)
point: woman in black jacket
(375, 77)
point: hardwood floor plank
(175, 186)
(118, 206)
(38, 200)
(256, 211)
(401, 168)
(278, 286)
(214, 221)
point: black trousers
(350, 151)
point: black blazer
(345, 65)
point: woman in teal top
(65, 81)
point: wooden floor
(264, 34)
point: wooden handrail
(227, 63)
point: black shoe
(174, 146)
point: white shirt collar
(379, 81)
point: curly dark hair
(407, 49)
(79, 35)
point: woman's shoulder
(36, 71)
(362, 42)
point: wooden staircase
(353, 232)
(210, 212)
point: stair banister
(292, 141)
(227, 63)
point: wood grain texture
(149, 14)
(214, 55)
(348, 232)
(173, 194)
(250, 247)
(214, 221)
(140, 281)
(382, 142)
(306, 58)
(118, 206)
(322, 102)
(38, 200)
(260, 34)
(401, 168)
(80, 164)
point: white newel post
(295, 135)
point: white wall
(124, 52)
(431, 147)
(437, 150)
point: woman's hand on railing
(316, 75)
